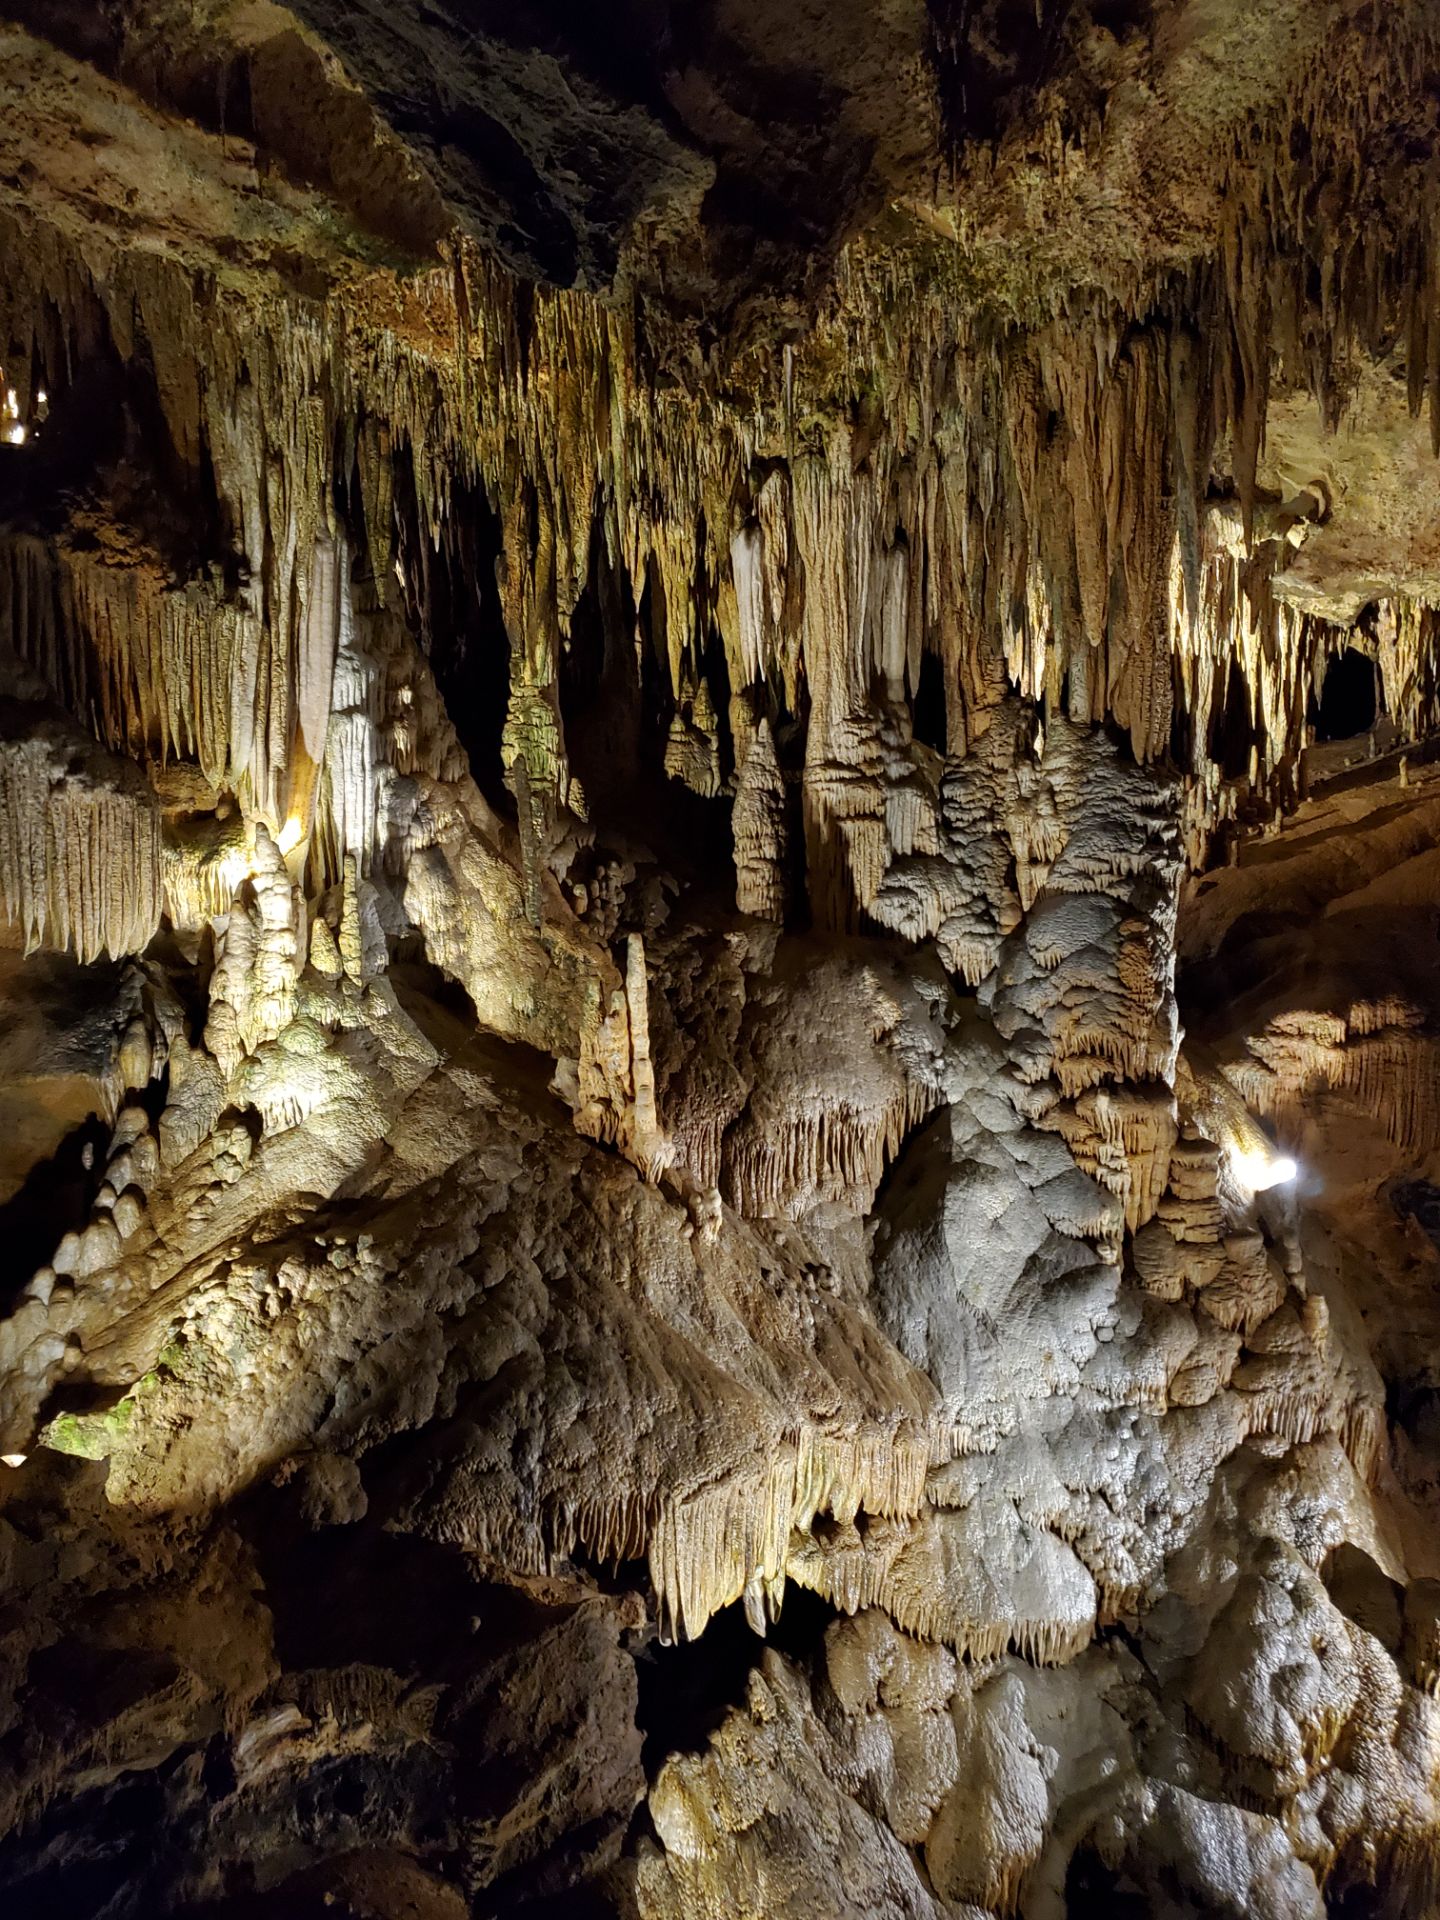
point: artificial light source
(1260, 1169)
(13, 429)
(12, 1459)
(291, 834)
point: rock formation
(719, 882)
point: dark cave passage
(56, 1197)
(686, 1690)
(1094, 1891)
(1349, 698)
(452, 603)
(929, 717)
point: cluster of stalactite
(80, 849)
(919, 476)
(1251, 668)
(79, 858)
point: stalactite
(705, 1551)
(647, 1144)
(970, 530)
(758, 823)
(1380, 1057)
(154, 668)
(837, 1151)
(80, 859)
(206, 857)
(972, 1580)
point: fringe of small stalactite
(853, 1583)
(80, 861)
(723, 1542)
(1244, 638)
(706, 1551)
(1290, 1413)
(1376, 1056)
(837, 1152)
(1403, 1866)
(854, 1579)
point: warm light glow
(233, 868)
(291, 834)
(12, 431)
(1259, 1169)
(13, 1459)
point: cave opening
(599, 684)
(81, 1854)
(928, 708)
(1233, 730)
(620, 718)
(1364, 1592)
(1418, 1200)
(452, 601)
(987, 55)
(375, 1573)
(1349, 701)
(1093, 1890)
(688, 1688)
(55, 1198)
(85, 444)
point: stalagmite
(759, 824)
(648, 1144)
(253, 993)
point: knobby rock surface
(719, 916)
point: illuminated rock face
(720, 1176)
